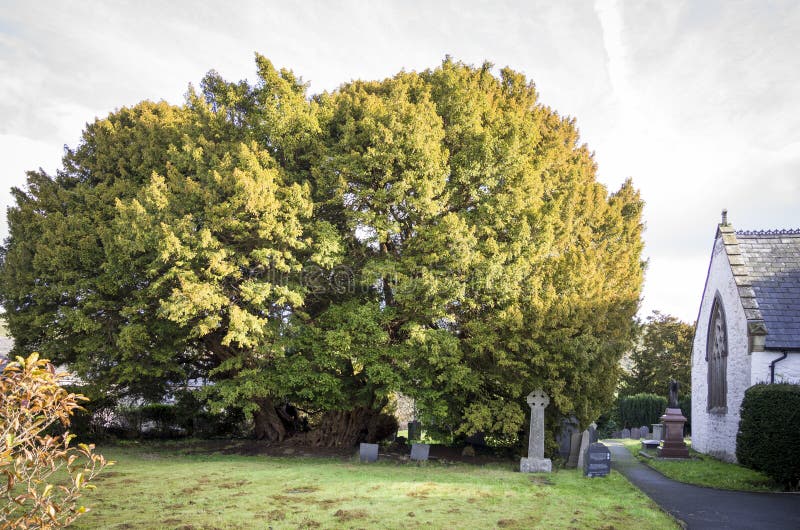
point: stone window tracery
(717, 358)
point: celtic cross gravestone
(536, 462)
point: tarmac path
(701, 508)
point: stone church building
(748, 329)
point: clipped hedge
(641, 409)
(767, 439)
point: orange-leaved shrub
(41, 475)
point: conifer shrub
(641, 409)
(767, 437)
(685, 404)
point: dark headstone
(414, 430)
(368, 452)
(634, 433)
(564, 438)
(626, 433)
(597, 462)
(420, 452)
(644, 432)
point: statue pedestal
(674, 446)
(535, 465)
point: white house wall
(715, 434)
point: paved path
(701, 508)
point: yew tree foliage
(439, 233)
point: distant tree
(662, 352)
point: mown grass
(704, 470)
(159, 487)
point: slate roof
(771, 260)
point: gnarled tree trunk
(268, 424)
(346, 428)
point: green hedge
(685, 403)
(767, 440)
(641, 409)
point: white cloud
(696, 101)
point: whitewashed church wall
(786, 371)
(715, 434)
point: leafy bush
(641, 409)
(198, 419)
(685, 403)
(87, 423)
(767, 438)
(607, 428)
(31, 401)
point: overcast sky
(697, 102)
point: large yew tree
(440, 233)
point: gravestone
(536, 462)
(564, 438)
(634, 433)
(597, 462)
(593, 433)
(658, 431)
(650, 444)
(574, 447)
(626, 433)
(414, 430)
(584, 445)
(644, 432)
(420, 452)
(368, 452)
(674, 446)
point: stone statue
(673, 394)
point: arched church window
(717, 358)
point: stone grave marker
(584, 445)
(658, 431)
(420, 452)
(597, 462)
(564, 438)
(644, 432)
(626, 433)
(536, 462)
(650, 444)
(414, 430)
(368, 452)
(634, 433)
(593, 433)
(574, 447)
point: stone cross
(536, 462)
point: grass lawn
(158, 486)
(704, 470)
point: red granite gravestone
(674, 446)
